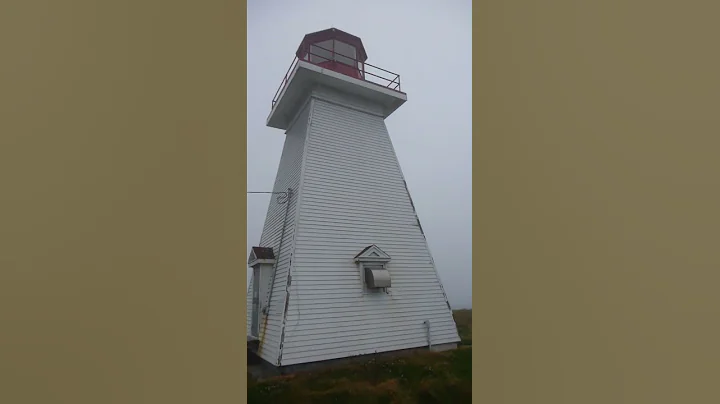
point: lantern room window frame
(326, 52)
(358, 69)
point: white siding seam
(296, 117)
(344, 105)
(248, 318)
(310, 103)
(427, 245)
(361, 104)
(275, 267)
(274, 235)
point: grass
(463, 319)
(426, 377)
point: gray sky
(429, 44)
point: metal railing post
(361, 67)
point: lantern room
(333, 60)
(334, 50)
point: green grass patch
(425, 377)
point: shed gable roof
(261, 254)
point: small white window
(372, 262)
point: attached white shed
(347, 269)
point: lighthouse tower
(343, 267)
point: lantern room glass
(333, 50)
(321, 51)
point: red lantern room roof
(332, 33)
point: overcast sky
(429, 44)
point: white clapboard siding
(248, 302)
(353, 194)
(288, 176)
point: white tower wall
(352, 194)
(348, 193)
(288, 176)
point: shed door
(255, 331)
